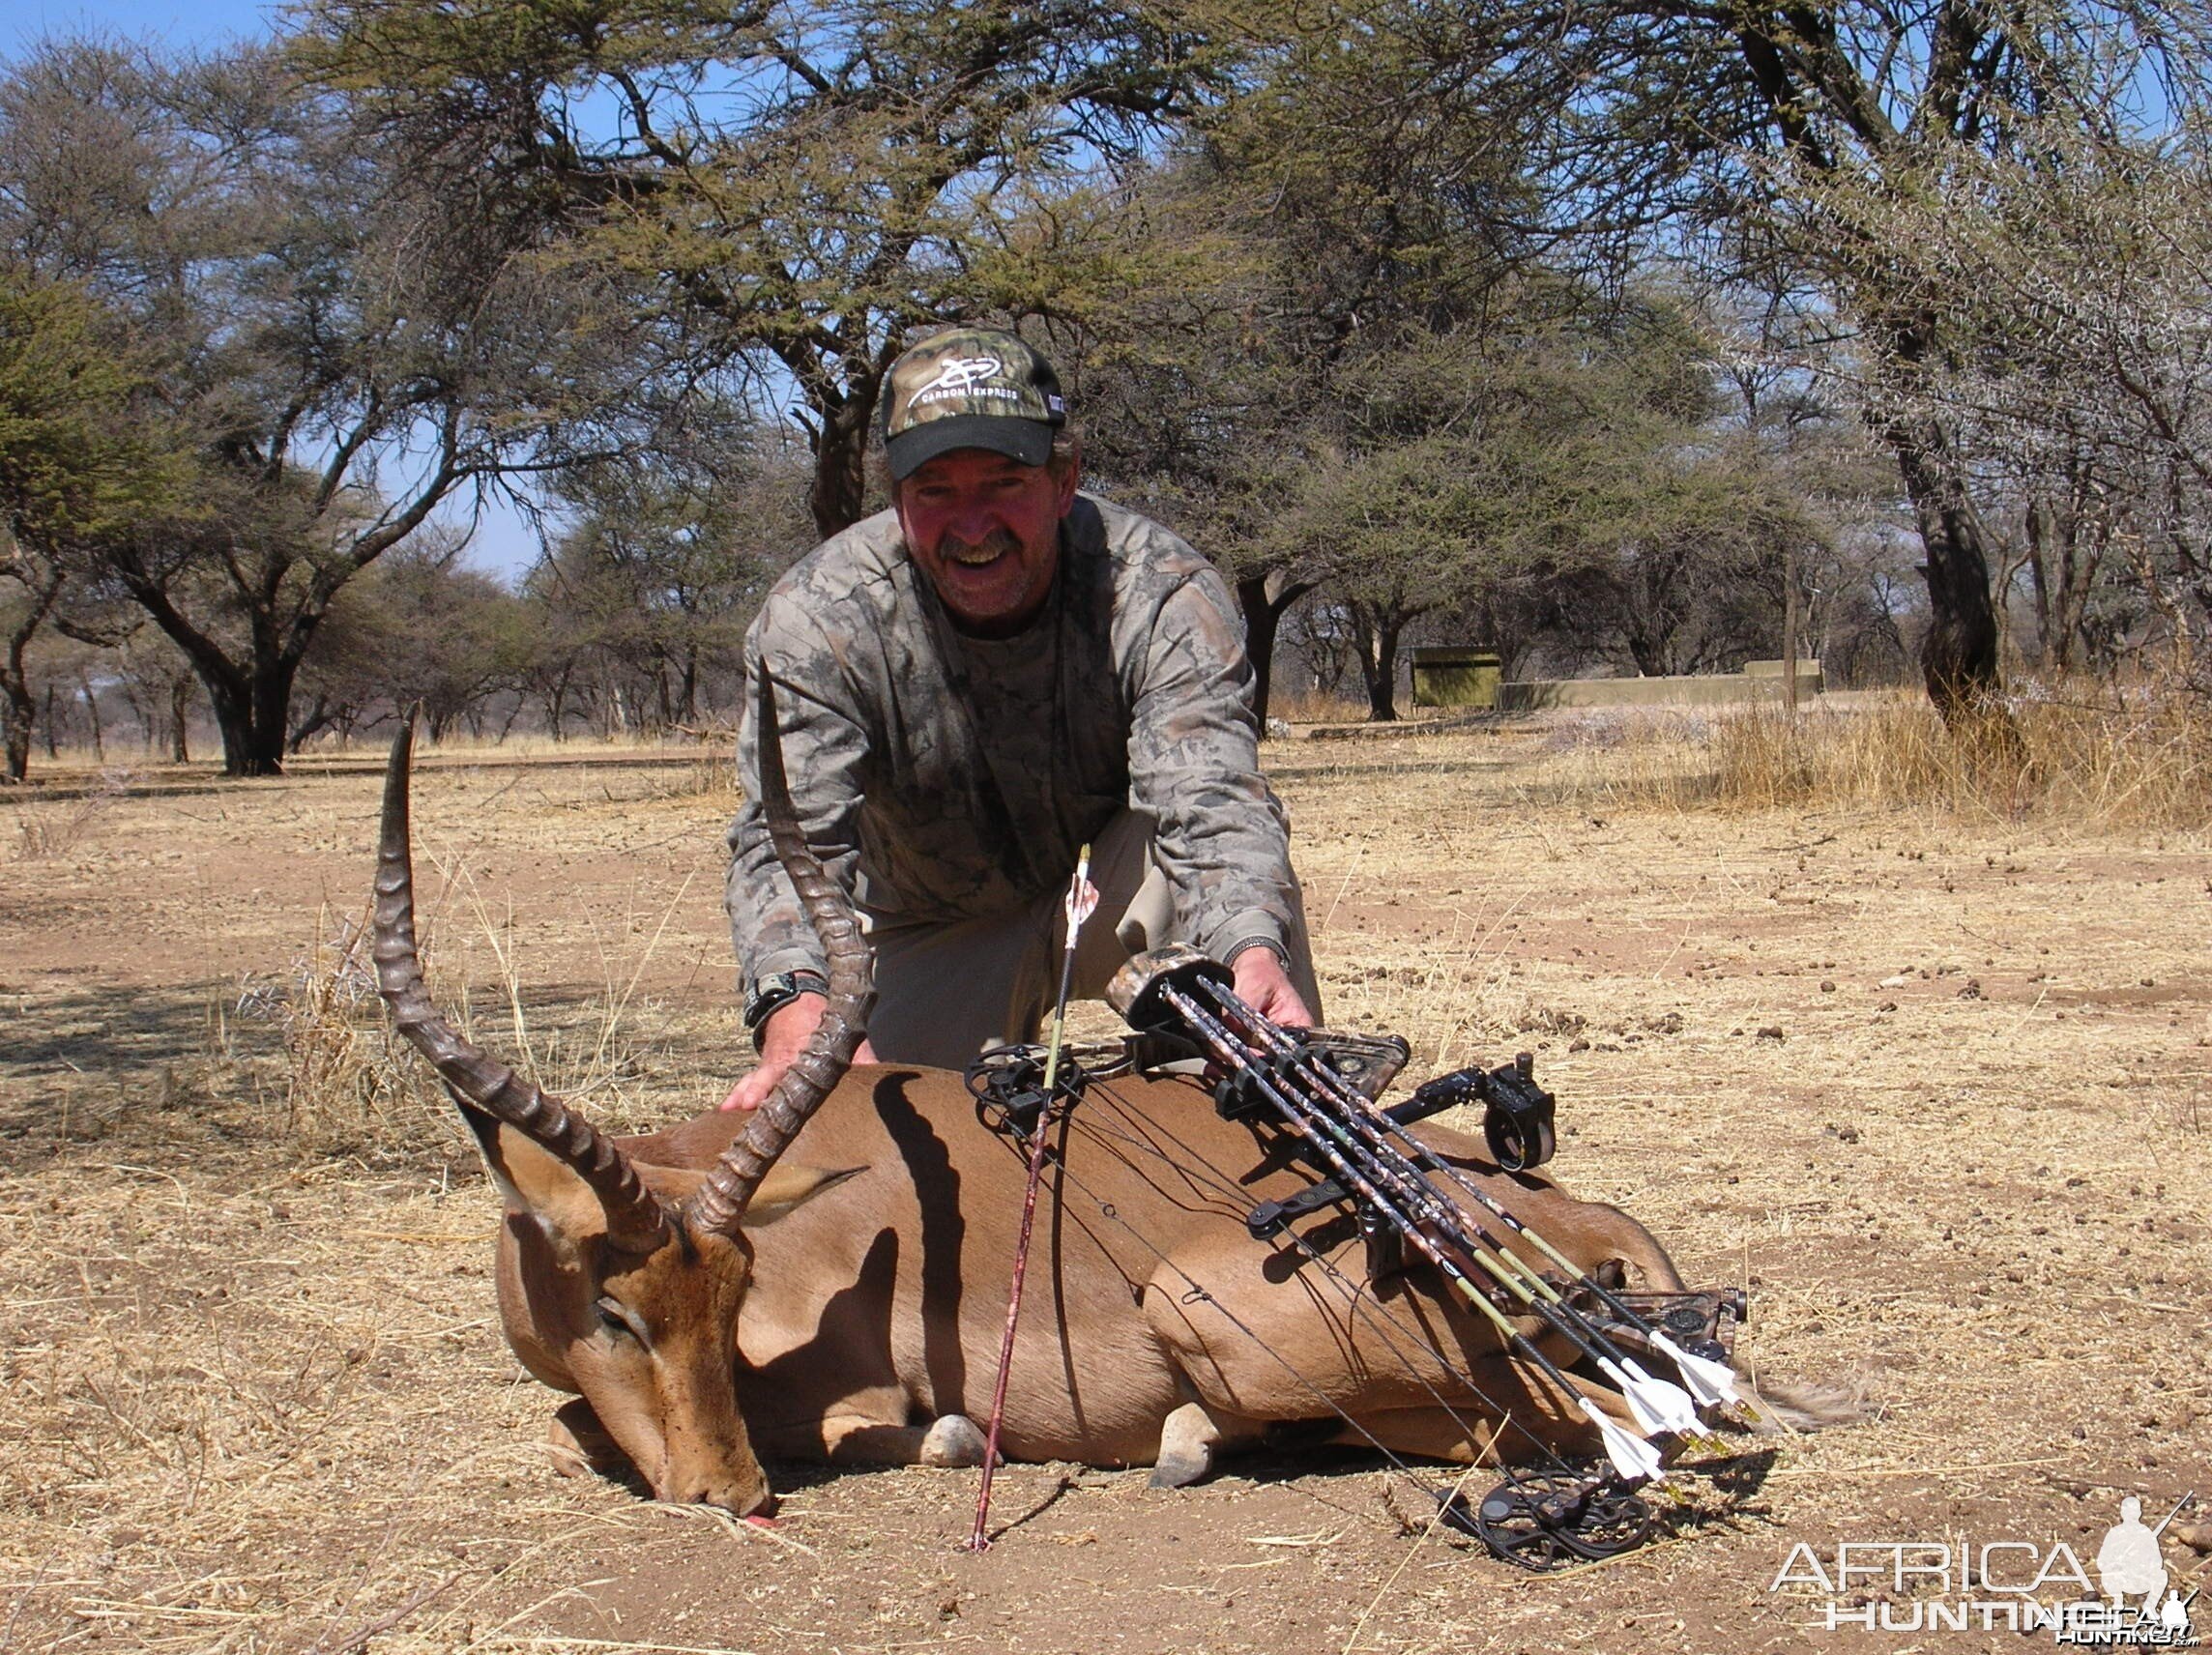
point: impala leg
(1457, 1436)
(862, 1439)
(952, 1439)
(581, 1445)
(1191, 1438)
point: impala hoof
(1188, 1439)
(953, 1440)
(1179, 1472)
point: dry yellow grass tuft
(2132, 761)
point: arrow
(1081, 902)
(1638, 1460)
(1709, 1382)
(1656, 1404)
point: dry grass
(1314, 707)
(2129, 763)
(253, 1398)
(345, 1076)
(44, 833)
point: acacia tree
(795, 187)
(421, 629)
(1349, 202)
(348, 350)
(666, 559)
(1738, 130)
(1572, 464)
(74, 467)
(2084, 400)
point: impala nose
(730, 1481)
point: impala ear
(786, 1188)
(532, 1182)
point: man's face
(985, 529)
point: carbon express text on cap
(969, 387)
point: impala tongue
(760, 1522)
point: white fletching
(1649, 1418)
(1632, 1457)
(1670, 1402)
(1082, 900)
(1711, 1382)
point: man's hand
(783, 1038)
(1261, 983)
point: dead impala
(826, 1278)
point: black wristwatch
(771, 994)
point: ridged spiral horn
(636, 1220)
(719, 1202)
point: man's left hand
(1262, 984)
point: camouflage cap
(969, 387)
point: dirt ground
(1934, 1092)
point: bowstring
(1358, 1301)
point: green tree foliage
(792, 189)
(1758, 133)
(420, 629)
(1467, 472)
(2077, 271)
(1350, 203)
(346, 349)
(647, 594)
(74, 467)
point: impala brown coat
(827, 1278)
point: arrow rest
(1007, 1084)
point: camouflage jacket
(943, 777)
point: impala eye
(615, 1318)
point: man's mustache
(997, 543)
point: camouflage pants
(945, 992)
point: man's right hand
(783, 1036)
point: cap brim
(1028, 440)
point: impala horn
(719, 1202)
(636, 1221)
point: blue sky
(209, 23)
(503, 542)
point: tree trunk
(1959, 656)
(17, 706)
(1264, 598)
(840, 487)
(311, 723)
(1377, 642)
(688, 686)
(16, 711)
(1790, 624)
(92, 713)
(251, 715)
(180, 718)
(53, 726)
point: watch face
(768, 994)
(771, 994)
